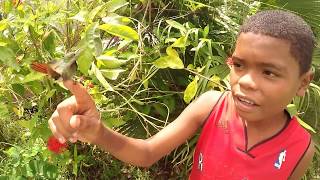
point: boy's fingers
(80, 92)
(79, 122)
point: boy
(247, 133)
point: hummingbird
(58, 70)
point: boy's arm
(303, 165)
(146, 152)
(76, 118)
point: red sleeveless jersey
(221, 152)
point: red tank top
(221, 151)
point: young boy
(246, 133)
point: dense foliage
(143, 61)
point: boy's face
(264, 77)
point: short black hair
(287, 26)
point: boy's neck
(263, 129)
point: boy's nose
(247, 81)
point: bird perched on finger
(59, 70)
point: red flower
(55, 146)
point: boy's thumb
(77, 122)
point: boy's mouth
(246, 101)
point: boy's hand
(77, 117)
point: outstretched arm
(77, 118)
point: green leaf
(119, 30)
(116, 19)
(32, 76)
(305, 125)
(49, 42)
(84, 61)
(81, 16)
(7, 56)
(177, 25)
(110, 62)
(3, 24)
(168, 62)
(111, 74)
(292, 109)
(92, 14)
(92, 39)
(191, 90)
(172, 52)
(206, 31)
(113, 5)
(181, 42)
(4, 112)
(29, 124)
(113, 122)
(172, 61)
(100, 77)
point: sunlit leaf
(116, 19)
(306, 126)
(49, 42)
(111, 74)
(177, 25)
(84, 60)
(100, 77)
(110, 62)
(172, 61)
(206, 31)
(7, 57)
(113, 5)
(3, 24)
(33, 76)
(191, 90)
(181, 42)
(119, 30)
(292, 109)
(81, 16)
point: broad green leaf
(32, 76)
(191, 90)
(3, 44)
(3, 24)
(28, 124)
(93, 39)
(123, 44)
(206, 31)
(168, 62)
(116, 19)
(113, 122)
(119, 30)
(111, 74)
(81, 16)
(113, 5)
(305, 125)
(100, 77)
(49, 42)
(84, 60)
(172, 61)
(4, 112)
(177, 25)
(292, 109)
(181, 42)
(172, 52)
(92, 14)
(7, 56)
(110, 62)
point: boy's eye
(237, 65)
(269, 73)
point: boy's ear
(306, 78)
